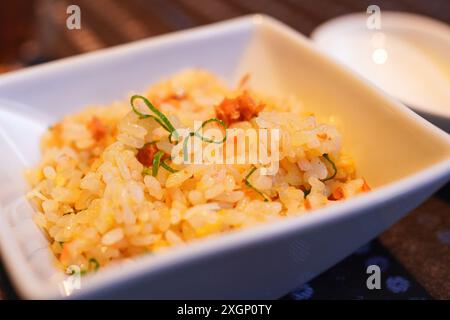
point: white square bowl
(402, 156)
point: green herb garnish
(163, 164)
(158, 115)
(208, 140)
(306, 193)
(203, 138)
(95, 266)
(146, 171)
(70, 212)
(248, 184)
(325, 155)
(167, 167)
(161, 119)
(156, 162)
(94, 262)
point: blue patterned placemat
(347, 279)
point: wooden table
(420, 241)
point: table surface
(414, 254)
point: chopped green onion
(159, 116)
(306, 192)
(170, 138)
(70, 212)
(167, 167)
(95, 263)
(145, 116)
(163, 164)
(248, 184)
(325, 155)
(204, 123)
(203, 138)
(156, 162)
(150, 171)
(146, 171)
(92, 262)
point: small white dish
(408, 57)
(402, 156)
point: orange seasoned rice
(97, 200)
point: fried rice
(98, 203)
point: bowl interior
(388, 141)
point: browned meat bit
(365, 187)
(146, 154)
(97, 128)
(337, 194)
(241, 108)
(244, 81)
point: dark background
(414, 254)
